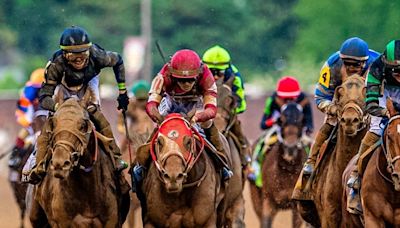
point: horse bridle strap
(388, 155)
(358, 109)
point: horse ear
(339, 92)
(59, 96)
(190, 114)
(187, 141)
(390, 107)
(87, 98)
(230, 81)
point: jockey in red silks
(183, 84)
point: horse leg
(37, 216)
(235, 214)
(268, 213)
(296, 219)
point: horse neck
(346, 147)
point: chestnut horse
(182, 187)
(380, 187)
(280, 168)
(325, 209)
(80, 188)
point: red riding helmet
(288, 87)
(185, 64)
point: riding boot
(220, 157)
(322, 135)
(42, 143)
(354, 182)
(244, 144)
(104, 127)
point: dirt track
(9, 213)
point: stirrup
(120, 164)
(226, 174)
(308, 169)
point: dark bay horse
(226, 118)
(182, 187)
(325, 209)
(280, 168)
(20, 188)
(380, 187)
(80, 188)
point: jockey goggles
(353, 63)
(74, 57)
(217, 73)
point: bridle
(160, 159)
(363, 116)
(75, 156)
(385, 148)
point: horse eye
(84, 126)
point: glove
(48, 104)
(309, 131)
(269, 122)
(331, 110)
(123, 101)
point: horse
(380, 185)
(325, 208)
(80, 188)
(182, 188)
(281, 166)
(140, 127)
(18, 187)
(226, 118)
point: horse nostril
(67, 163)
(180, 176)
(166, 176)
(395, 176)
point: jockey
(287, 90)
(218, 61)
(383, 82)
(354, 57)
(184, 84)
(140, 91)
(75, 68)
(27, 106)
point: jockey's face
(353, 66)
(186, 84)
(217, 73)
(77, 60)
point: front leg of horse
(296, 219)
(268, 213)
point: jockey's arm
(53, 75)
(25, 106)
(325, 89)
(269, 115)
(114, 60)
(238, 91)
(209, 88)
(374, 87)
(155, 97)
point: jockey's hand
(332, 110)
(385, 112)
(309, 131)
(194, 120)
(269, 122)
(123, 100)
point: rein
(389, 159)
(189, 163)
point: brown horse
(280, 168)
(80, 188)
(226, 118)
(140, 127)
(20, 188)
(325, 209)
(380, 188)
(182, 187)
